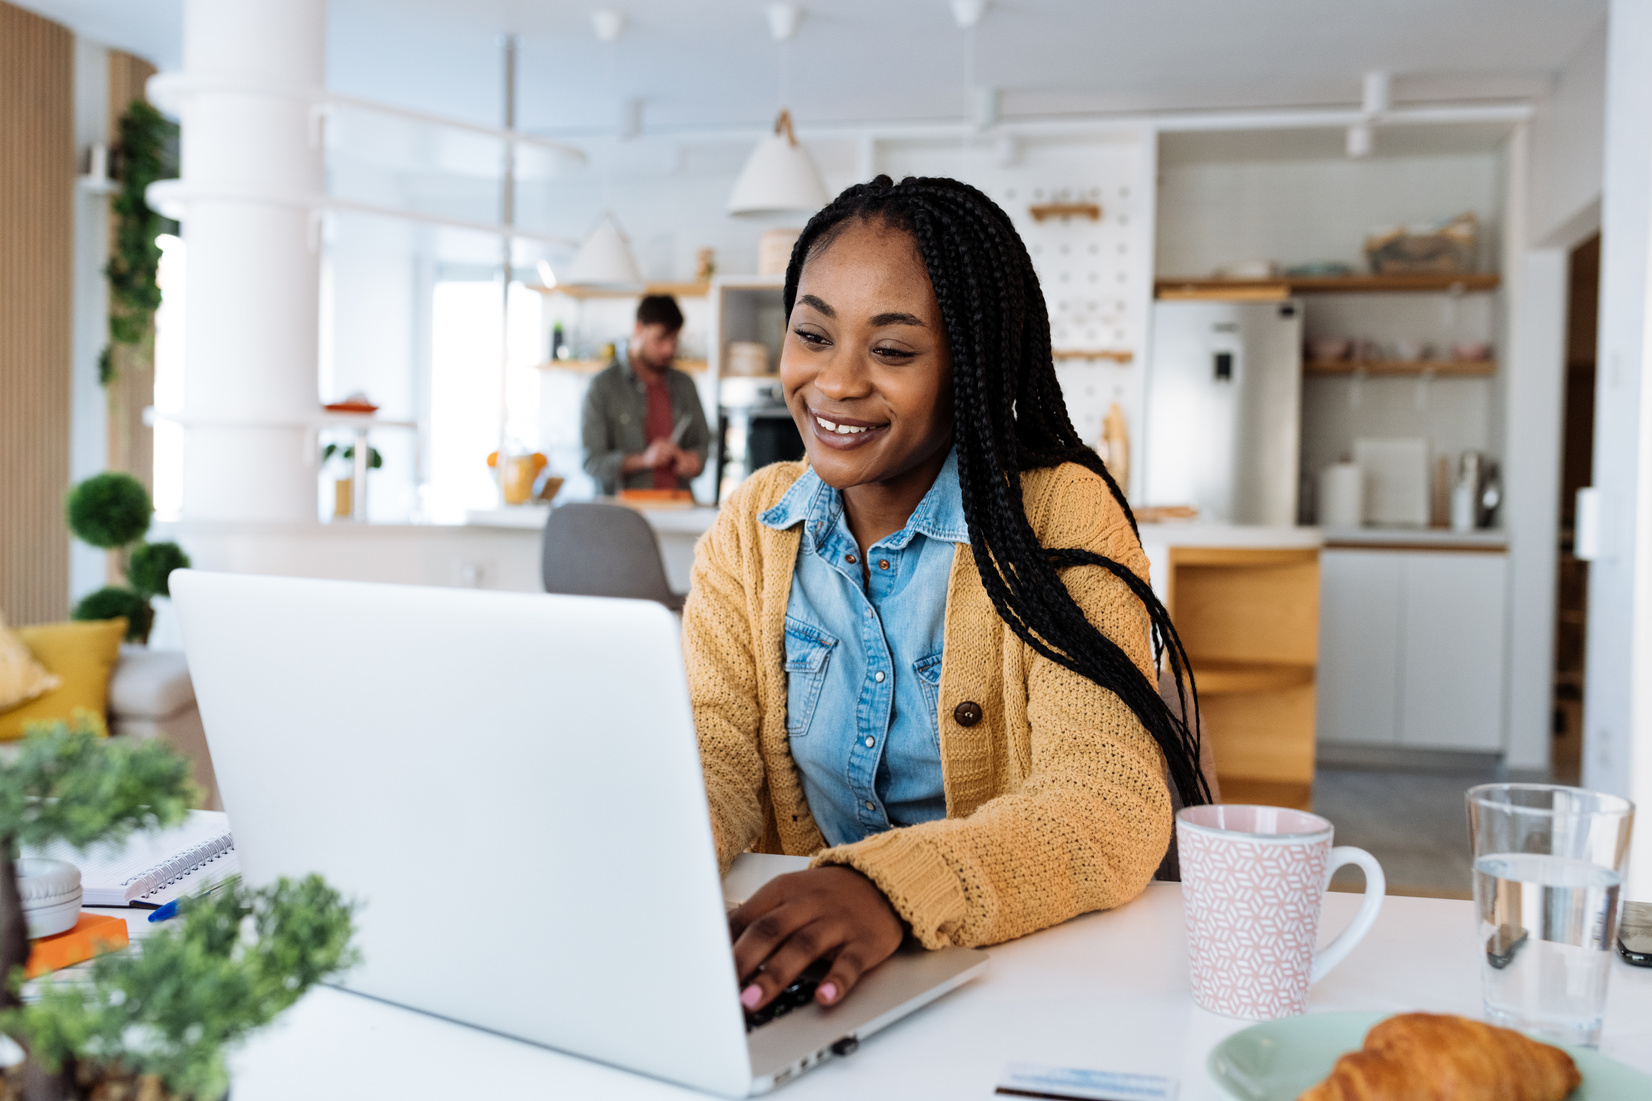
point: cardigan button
(967, 713)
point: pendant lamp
(605, 259)
(779, 177)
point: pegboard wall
(1096, 271)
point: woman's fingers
(769, 896)
(846, 971)
(797, 919)
(782, 967)
(765, 933)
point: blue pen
(170, 909)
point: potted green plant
(112, 511)
(150, 1025)
(341, 459)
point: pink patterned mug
(1253, 879)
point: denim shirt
(863, 661)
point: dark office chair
(1170, 868)
(604, 550)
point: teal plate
(1278, 1060)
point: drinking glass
(1548, 862)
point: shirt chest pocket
(808, 654)
(928, 671)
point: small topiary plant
(150, 1025)
(113, 601)
(152, 564)
(111, 511)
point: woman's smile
(843, 433)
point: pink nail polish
(827, 992)
(751, 995)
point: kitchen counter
(1489, 539)
(678, 528)
(1158, 540)
(672, 520)
(1198, 533)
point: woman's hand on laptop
(794, 920)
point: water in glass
(1547, 924)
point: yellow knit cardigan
(1056, 798)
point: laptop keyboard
(800, 993)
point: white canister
(1342, 496)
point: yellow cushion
(83, 655)
(22, 678)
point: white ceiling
(704, 64)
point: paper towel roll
(1341, 496)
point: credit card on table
(1078, 1084)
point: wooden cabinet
(1249, 618)
(1411, 649)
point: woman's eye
(893, 353)
(808, 337)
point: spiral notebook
(153, 868)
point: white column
(1618, 695)
(250, 158)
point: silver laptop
(510, 785)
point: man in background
(643, 427)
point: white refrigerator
(1223, 410)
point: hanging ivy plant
(147, 152)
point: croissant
(1438, 1057)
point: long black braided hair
(1010, 417)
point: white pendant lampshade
(605, 259)
(780, 177)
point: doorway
(1576, 471)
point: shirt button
(967, 713)
(878, 676)
(883, 563)
(851, 559)
(870, 741)
(871, 805)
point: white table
(1107, 991)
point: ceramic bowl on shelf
(1249, 269)
(1411, 351)
(1327, 349)
(1471, 351)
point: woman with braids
(926, 655)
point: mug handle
(1375, 885)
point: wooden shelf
(1271, 290)
(1041, 211)
(1117, 355)
(592, 366)
(1223, 678)
(1453, 368)
(679, 290)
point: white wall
(1568, 132)
(1295, 198)
(1533, 382)
(1618, 686)
(89, 403)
